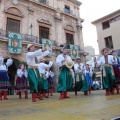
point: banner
(14, 43)
(74, 51)
(46, 43)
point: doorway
(12, 70)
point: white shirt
(77, 69)
(20, 73)
(102, 60)
(30, 56)
(60, 58)
(4, 66)
(43, 66)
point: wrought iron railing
(25, 37)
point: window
(105, 25)
(69, 38)
(108, 42)
(67, 9)
(42, 1)
(13, 25)
(43, 32)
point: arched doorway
(12, 74)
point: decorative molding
(15, 2)
(31, 9)
(69, 28)
(14, 11)
(44, 20)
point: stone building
(57, 20)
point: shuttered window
(13, 25)
(44, 32)
(69, 38)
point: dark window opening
(43, 1)
(69, 38)
(105, 25)
(109, 42)
(44, 32)
(13, 25)
(67, 9)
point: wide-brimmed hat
(105, 49)
(29, 45)
(69, 63)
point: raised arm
(9, 62)
(49, 65)
(43, 54)
(34, 54)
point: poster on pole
(46, 43)
(74, 51)
(14, 43)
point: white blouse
(90, 72)
(4, 66)
(30, 56)
(60, 58)
(43, 66)
(77, 69)
(20, 73)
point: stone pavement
(96, 106)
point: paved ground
(93, 107)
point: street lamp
(31, 28)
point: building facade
(108, 31)
(57, 20)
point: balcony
(46, 2)
(25, 37)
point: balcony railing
(46, 2)
(25, 37)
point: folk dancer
(65, 80)
(21, 82)
(88, 75)
(116, 66)
(49, 76)
(42, 67)
(80, 81)
(108, 78)
(4, 78)
(36, 85)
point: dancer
(80, 81)
(88, 75)
(36, 85)
(65, 79)
(21, 82)
(42, 66)
(49, 76)
(4, 78)
(116, 66)
(108, 78)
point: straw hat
(29, 45)
(105, 49)
(69, 63)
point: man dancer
(65, 79)
(108, 77)
(36, 85)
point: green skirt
(80, 84)
(109, 80)
(36, 82)
(65, 80)
(46, 85)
